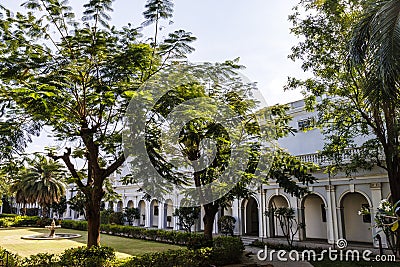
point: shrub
(77, 225)
(105, 216)
(226, 250)
(182, 258)
(117, 218)
(17, 220)
(88, 257)
(226, 224)
(42, 222)
(8, 258)
(132, 214)
(42, 259)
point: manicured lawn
(327, 263)
(10, 239)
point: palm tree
(42, 182)
(375, 57)
(376, 46)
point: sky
(257, 31)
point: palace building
(329, 212)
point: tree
(61, 207)
(287, 222)
(226, 224)
(187, 217)
(374, 51)
(131, 214)
(77, 203)
(350, 47)
(41, 182)
(77, 77)
(186, 141)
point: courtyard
(10, 239)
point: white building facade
(329, 212)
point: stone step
(247, 240)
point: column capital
(330, 188)
(375, 186)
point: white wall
(355, 228)
(315, 227)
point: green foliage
(287, 221)
(187, 217)
(77, 203)
(131, 214)
(41, 259)
(105, 216)
(288, 170)
(117, 218)
(43, 182)
(61, 207)
(10, 258)
(184, 258)
(224, 251)
(12, 220)
(76, 76)
(88, 257)
(226, 224)
(387, 221)
(350, 47)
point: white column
(148, 214)
(215, 231)
(332, 226)
(261, 217)
(161, 215)
(376, 197)
(236, 215)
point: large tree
(42, 182)
(199, 135)
(76, 76)
(351, 50)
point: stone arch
(356, 228)
(314, 216)
(130, 204)
(168, 214)
(276, 201)
(250, 215)
(154, 213)
(142, 209)
(120, 206)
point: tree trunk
(210, 210)
(93, 203)
(393, 169)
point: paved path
(275, 262)
(251, 260)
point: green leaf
(395, 226)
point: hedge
(225, 250)
(193, 240)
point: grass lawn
(10, 239)
(327, 263)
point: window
(367, 217)
(323, 213)
(306, 123)
(155, 210)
